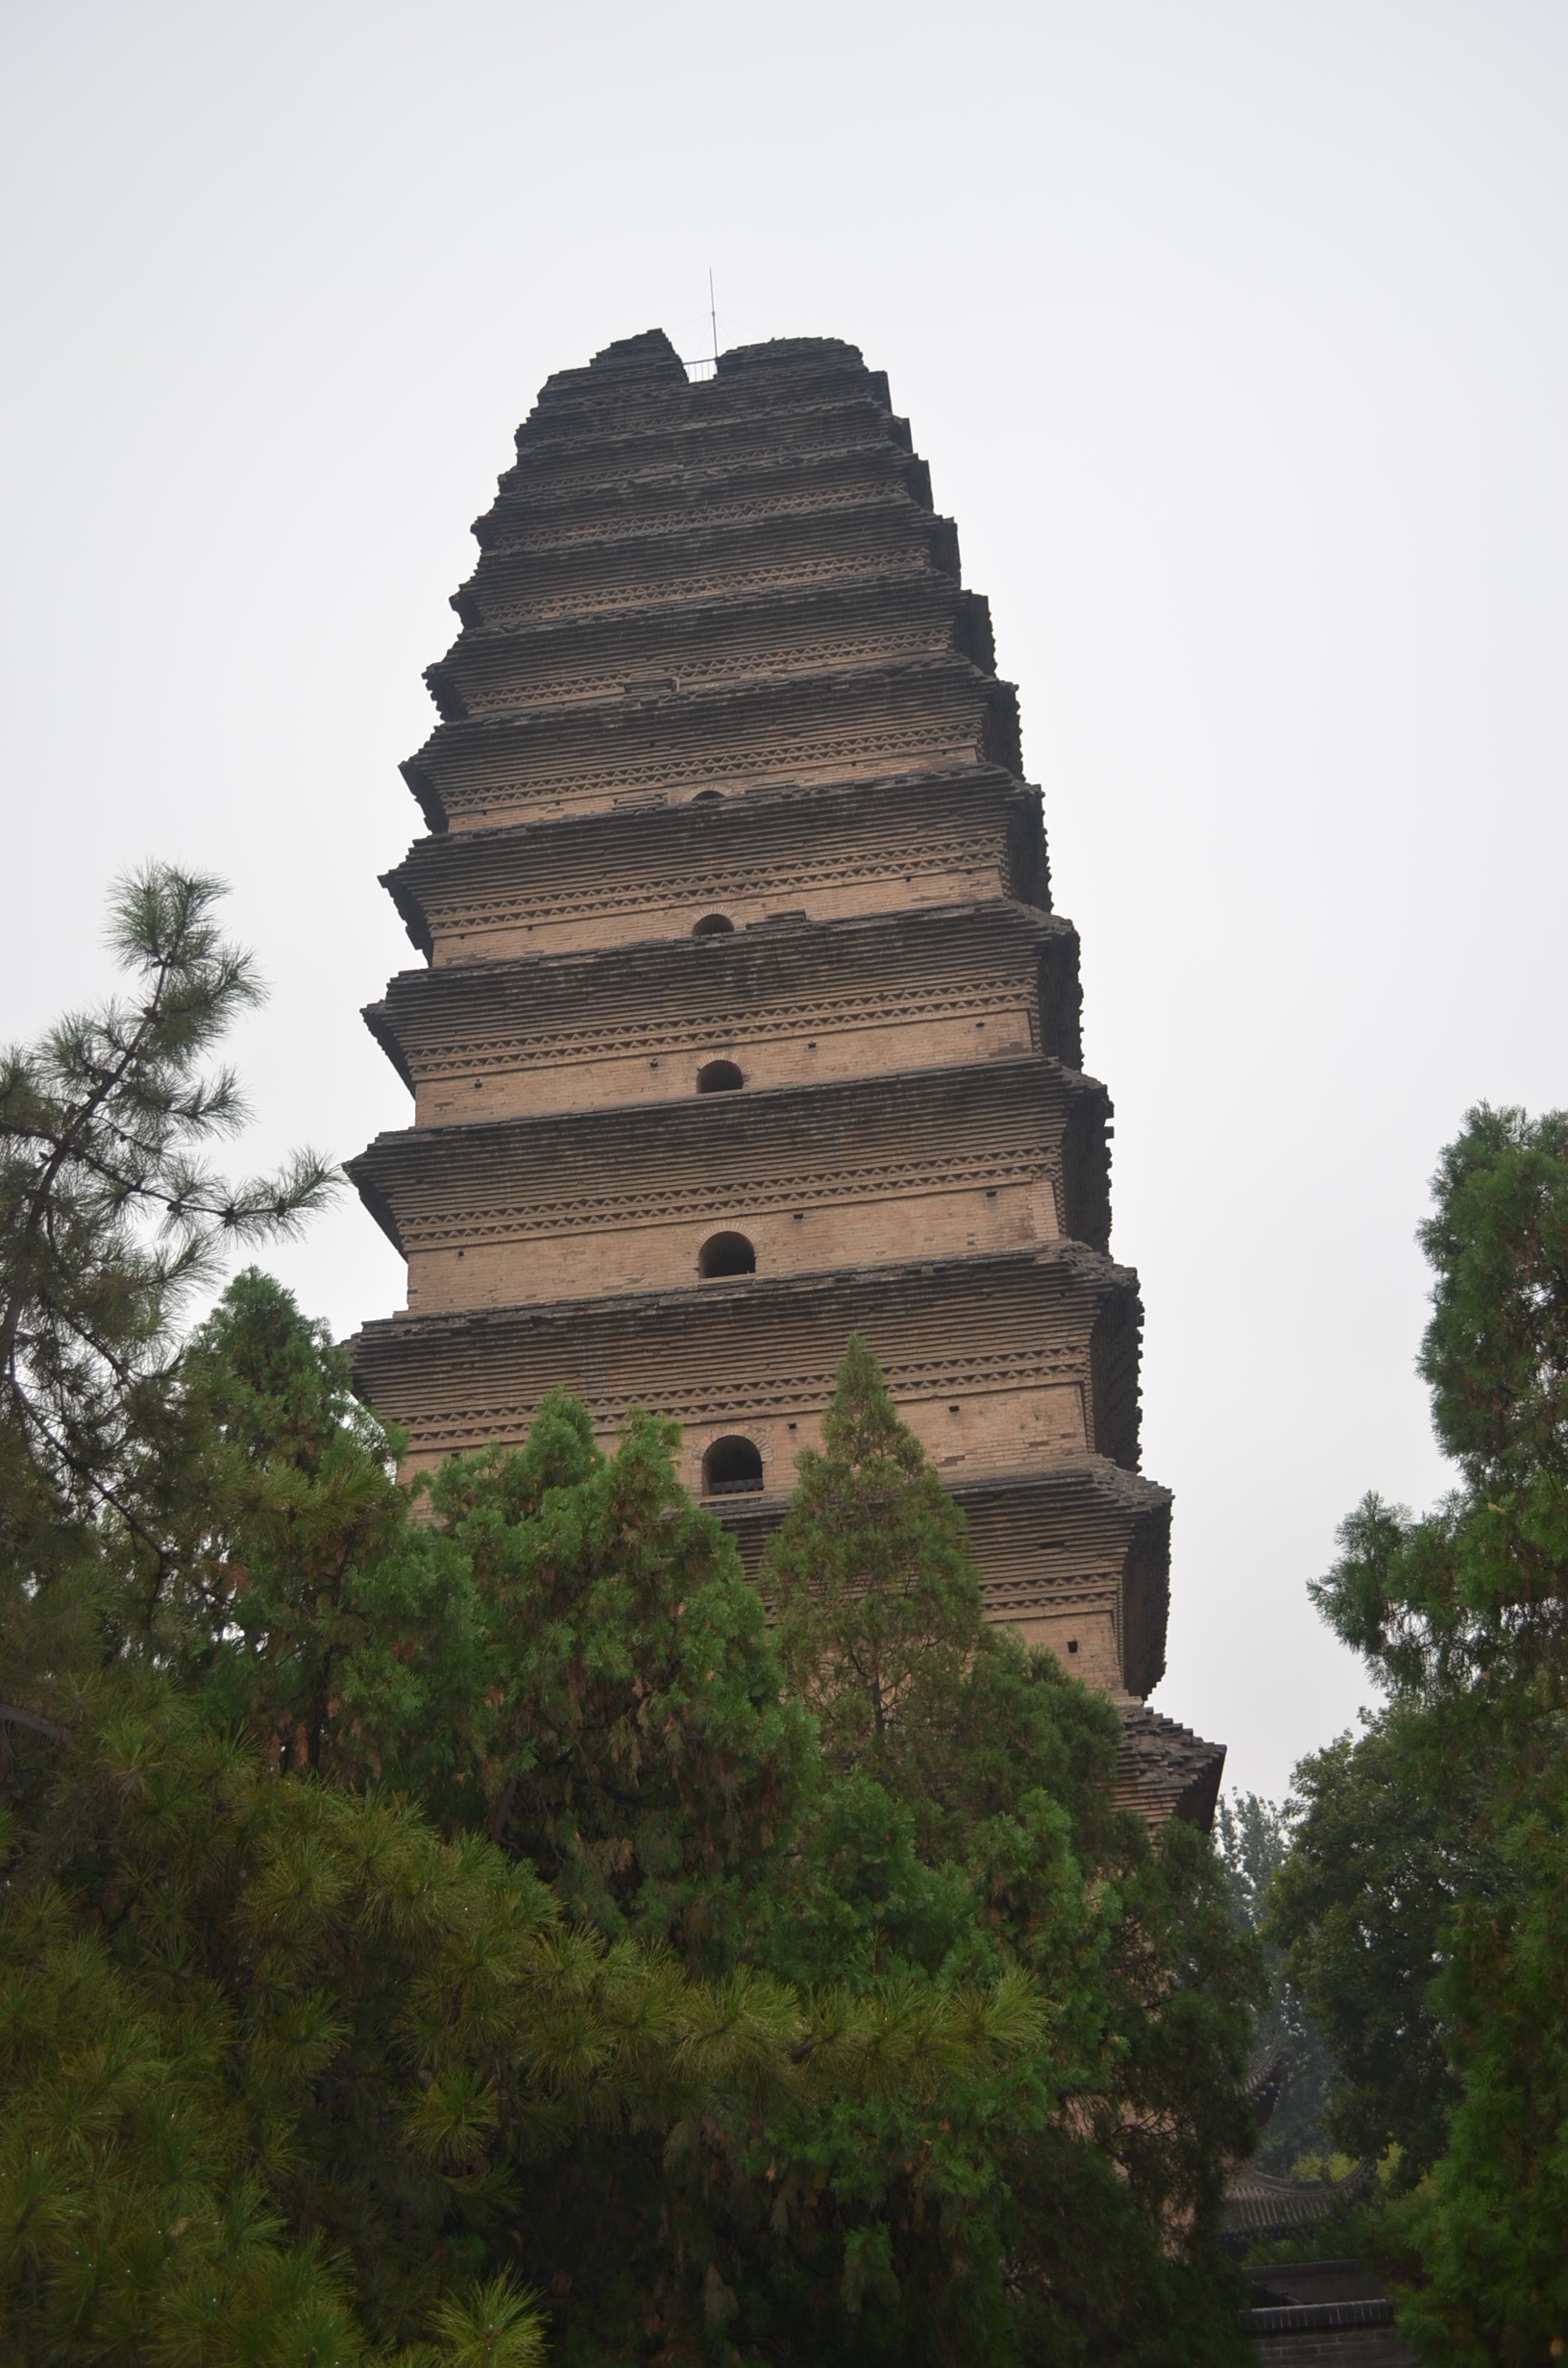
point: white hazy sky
(1233, 332)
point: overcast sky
(1233, 332)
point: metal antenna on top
(713, 316)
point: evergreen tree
(1361, 1903)
(872, 1583)
(285, 2078)
(109, 1217)
(969, 1824)
(323, 1620)
(1439, 1953)
(635, 1745)
(433, 1928)
(628, 1732)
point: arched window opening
(726, 1253)
(714, 924)
(707, 796)
(720, 1077)
(732, 1468)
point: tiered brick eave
(858, 462)
(928, 714)
(699, 640)
(675, 469)
(847, 453)
(1044, 1339)
(1011, 1117)
(834, 850)
(782, 529)
(1166, 1770)
(724, 672)
(621, 401)
(996, 971)
(816, 1178)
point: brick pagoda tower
(746, 1020)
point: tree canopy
(445, 1922)
(1424, 1904)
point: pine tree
(638, 1747)
(416, 1907)
(272, 2053)
(109, 1215)
(628, 1732)
(873, 1586)
(1425, 1903)
(110, 1218)
(968, 1826)
(324, 1622)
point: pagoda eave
(816, 837)
(1051, 1330)
(901, 1135)
(668, 999)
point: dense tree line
(1418, 1910)
(449, 1923)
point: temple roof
(1265, 2208)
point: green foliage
(1360, 1905)
(871, 1580)
(442, 1924)
(1426, 1901)
(317, 1615)
(966, 1824)
(234, 2006)
(634, 1744)
(1496, 1351)
(1253, 1840)
(226, 2005)
(1473, 1597)
(498, 2329)
(108, 1214)
(1485, 2236)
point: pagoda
(744, 1019)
